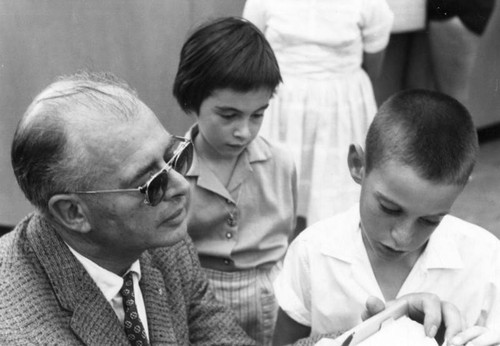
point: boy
(420, 151)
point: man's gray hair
(46, 156)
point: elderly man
(105, 259)
(105, 178)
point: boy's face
(400, 210)
(229, 120)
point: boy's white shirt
(327, 276)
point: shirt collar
(108, 282)
(257, 150)
(441, 251)
(345, 244)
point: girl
(243, 187)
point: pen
(348, 340)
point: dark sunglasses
(155, 188)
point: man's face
(126, 155)
(400, 210)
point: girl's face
(229, 120)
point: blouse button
(231, 221)
(229, 235)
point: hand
(476, 336)
(425, 307)
(373, 307)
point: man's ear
(70, 211)
(356, 162)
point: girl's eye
(227, 115)
(258, 115)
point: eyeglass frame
(186, 142)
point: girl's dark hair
(228, 52)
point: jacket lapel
(93, 320)
(156, 300)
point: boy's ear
(356, 162)
(70, 212)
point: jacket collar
(93, 317)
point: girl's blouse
(249, 223)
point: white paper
(402, 331)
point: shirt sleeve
(490, 314)
(292, 287)
(376, 23)
(255, 12)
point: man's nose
(177, 185)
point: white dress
(326, 101)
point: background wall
(140, 41)
(137, 40)
(407, 64)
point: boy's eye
(430, 222)
(258, 115)
(389, 210)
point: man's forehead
(69, 87)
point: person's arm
(254, 11)
(477, 336)
(486, 331)
(376, 23)
(372, 63)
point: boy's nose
(402, 234)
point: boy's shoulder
(465, 232)
(471, 242)
(338, 229)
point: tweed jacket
(49, 299)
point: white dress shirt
(110, 284)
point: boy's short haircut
(426, 130)
(228, 52)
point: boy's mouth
(391, 251)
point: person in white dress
(326, 50)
